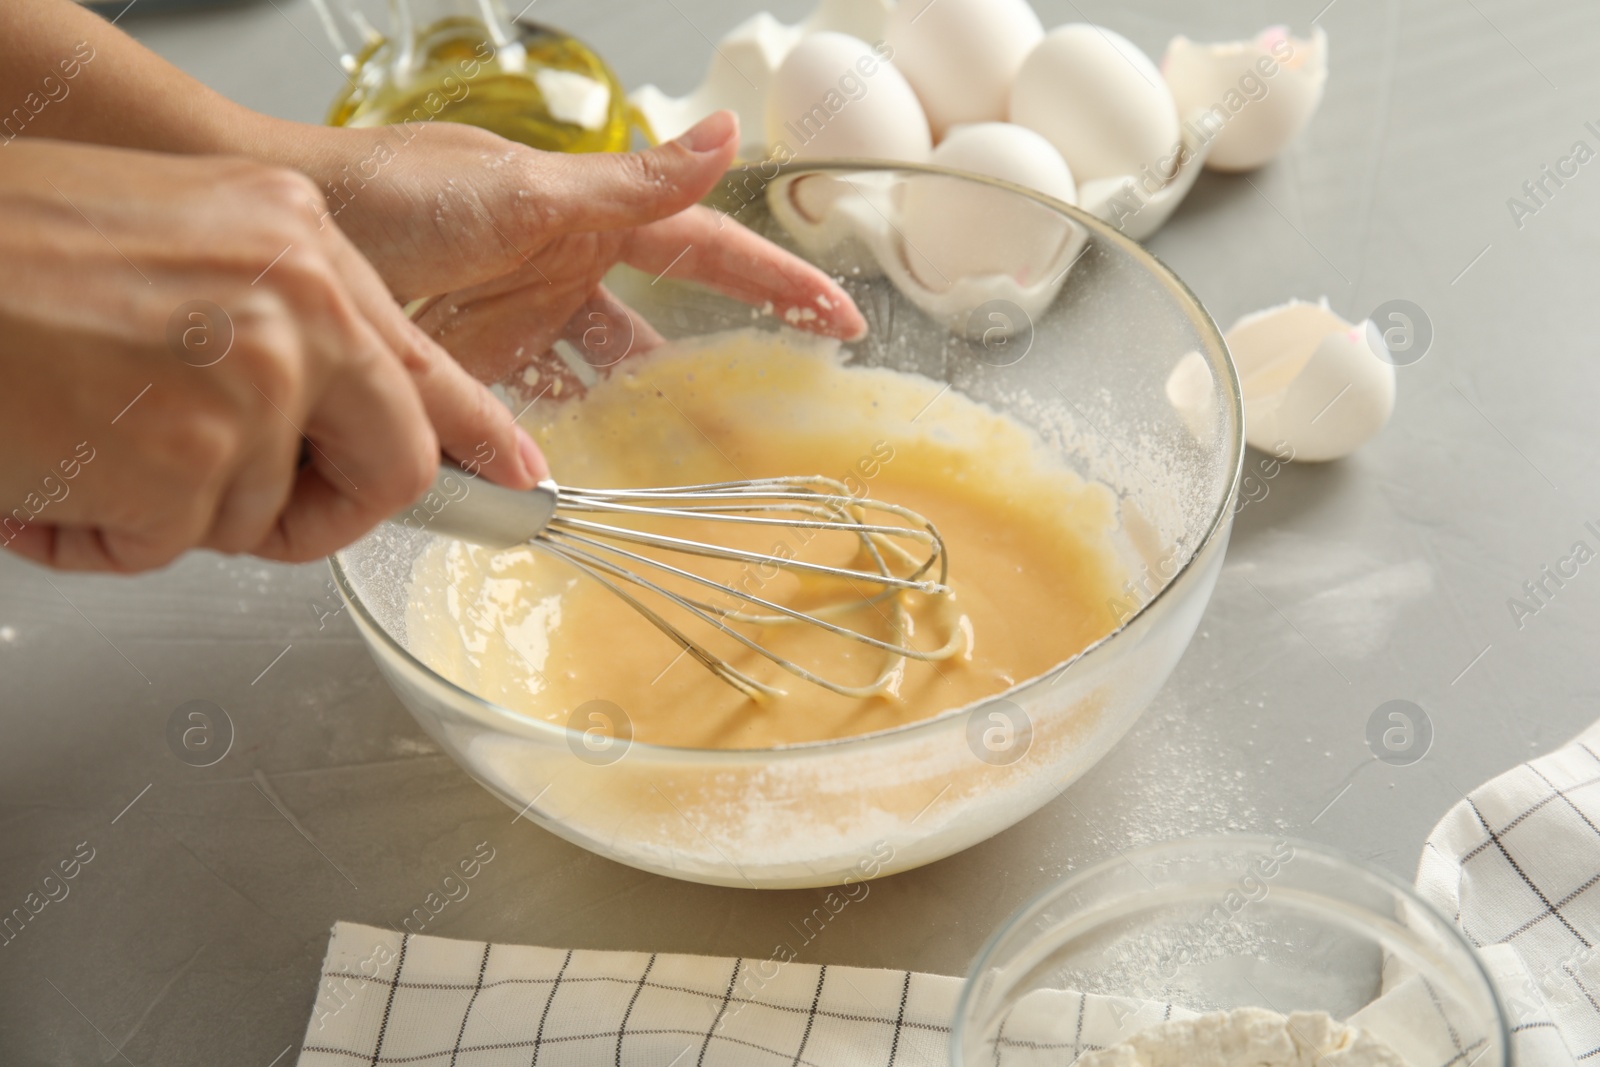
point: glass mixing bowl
(1018, 301)
(1219, 923)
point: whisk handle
(472, 509)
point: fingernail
(710, 133)
(532, 459)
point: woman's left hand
(511, 243)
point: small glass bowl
(1217, 923)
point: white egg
(955, 229)
(1100, 101)
(1311, 381)
(836, 96)
(1247, 99)
(742, 65)
(961, 56)
(1011, 153)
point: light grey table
(194, 934)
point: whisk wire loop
(568, 523)
(803, 503)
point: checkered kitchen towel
(1517, 864)
(1514, 863)
(388, 998)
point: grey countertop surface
(194, 935)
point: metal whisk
(555, 519)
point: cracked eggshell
(740, 74)
(954, 229)
(1251, 98)
(846, 227)
(837, 96)
(1310, 381)
(961, 56)
(1098, 99)
(839, 223)
(1131, 206)
(954, 304)
(1192, 392)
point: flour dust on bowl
(1224, 952)
(1018, 398)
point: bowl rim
(1126, 857)
(1218, 358)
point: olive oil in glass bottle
(465, 61)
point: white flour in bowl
(1249, 1037)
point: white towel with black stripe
(1517, 863)
(388, 998)
(391, 998)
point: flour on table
(1249, 1037)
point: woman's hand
(104, 254)
(176, 335)
(513, 242)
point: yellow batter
(1033, 562)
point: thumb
(620, 190)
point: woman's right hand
(174, 333)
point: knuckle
(279, 379)
(276, 367)
(418, 353)
(305, 274)
(147, 554)
(313, 303)
(647, 173)
(206, 447)
(493, 417)
(233, 540)
(282, 209)
(284, 187)
(194, 441)
(407, 470)
(414, 475)
(366, 358)
(155, 527)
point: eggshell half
(1192, 391)
(1139, 205)
(953, 305)
(961, 56)
(742, 66)
(1310, 381)
(1249, 99)
(838, 222)
(856, 226)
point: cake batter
(1033, 561)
